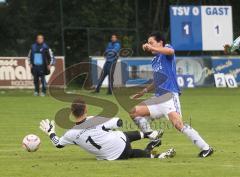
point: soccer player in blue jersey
(166, 102)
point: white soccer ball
(31, 143)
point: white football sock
(142, 135)
(195, 137)
(143, 124)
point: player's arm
(233, 47)
(162, 50)
(107, 48)
(113, 123)
(117, 47)
(228, 49)
(30, 58)
(49, 128)
(142, 92)
(52, 57)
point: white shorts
(163, 105)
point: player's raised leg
(140, 115)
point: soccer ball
(31, 143)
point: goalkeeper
(95, 135)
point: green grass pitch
(215, 113)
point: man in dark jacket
(41, 58)
(111, 55)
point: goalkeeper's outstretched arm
(56, 140)
(49, 128)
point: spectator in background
(41, 58)
(111, 55)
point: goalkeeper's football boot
(155, 140)
(152, 144)
(206, 153)
(170, 153)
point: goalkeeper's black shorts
(128, 152)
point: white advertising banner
(15, 72)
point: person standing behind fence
(111, 54)
(41, 58)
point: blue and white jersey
(112, 50)
(164, 73)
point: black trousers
(38, 73)
(133, 153)
(108, 70)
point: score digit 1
(217, 29)
(186, 26)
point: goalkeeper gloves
(47, 126)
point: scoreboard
(205, 28)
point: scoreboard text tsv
(201, 27)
